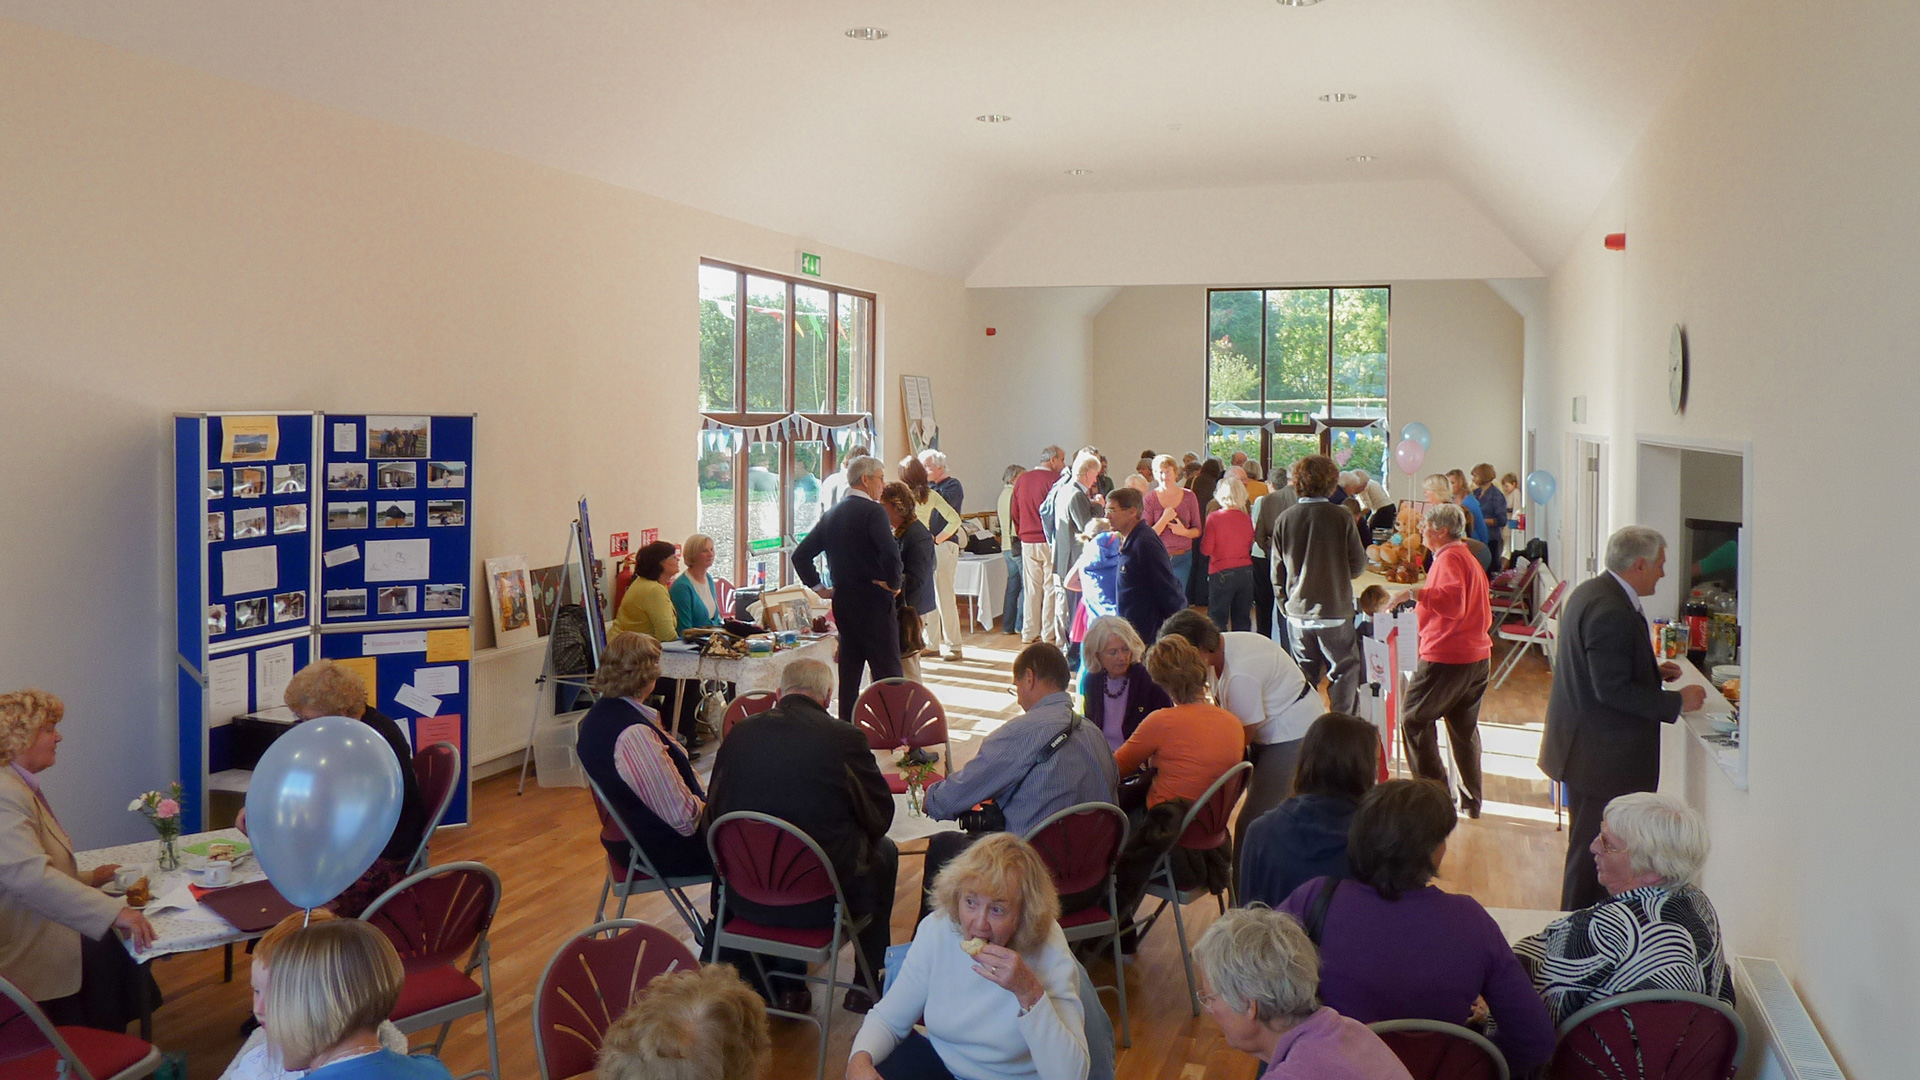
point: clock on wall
(1677, 369)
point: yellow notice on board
(249, 438)
(445, 645)
(365, 667)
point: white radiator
(1782, 1043)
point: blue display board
(396, 543)
(408, 666)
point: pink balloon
(1409, 455)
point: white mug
(217, 872)
(128, 874)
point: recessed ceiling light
(866, 33)
(1298, 3)
(1336, 98)
(1361, 159)
(1079, 172)
(993, 118)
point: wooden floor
(544, 846)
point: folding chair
(1436, 1050)
(438, 920)
(772, 863)
(752, 703)
(638, 877)
(898, 713)
(590, 983)
(438, 767)
(1528, 634)
(1651, 1035)
(1203, 829)
(1081, 846)
(31, 1046)
(1513, 595)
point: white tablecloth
(906, 826)
(983, 579)
(748, 673)
(193, 927)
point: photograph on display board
(216, 483)
(399, 474)
(397, 436)
(396, 600)
(290, 607)
(250, 523)
(510, 593)
(289, 479)
(216, 527)
(250, 614)
(347, 476)
(547, 583)
(249, 438)
(249, 483)
(351, 515)
(446, 512)
(290, 518)
(217, 620)
(389, 514)
(346, 603)
(446, 597)
(446, 474)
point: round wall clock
(1677, 369)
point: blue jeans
(1010, 611)
(1230, 598)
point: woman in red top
(1454, 613)
(1227, 543)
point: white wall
(1770, 209)
(1454, 364)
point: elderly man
(1323, 555)
(857, 539)
(799, 764)
(1149, 591)
(1654, 930)
(1607, 703)
(1450, 680)
(1358, 485)
(1074, 505)
(1036, 553)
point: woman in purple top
(1120, 693)
(1393, 946)
(1261, 974)
(1174, 513)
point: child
(1373, 600)
(256, 1059)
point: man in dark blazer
(1149, 591)
(799, 764)
(1607, 704)
(864, 559)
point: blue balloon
(1418, 432)
(1541, 486)
(322, 804)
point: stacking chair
(770, 862)
(752, 703)
(1098, 1028)
(637, 876)
(1081, 846)
(897, 713)
(438, 920)
(589, 983)
(1203, 829)
(1512, 595)
(1436, 1050)
(1526, 635)
(438, 767)
(1651, 1035)
(31, 1046)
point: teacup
(124, 877)
(216, 873)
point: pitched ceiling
(766, 112)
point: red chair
(752, 703)
(438, 920)
(438, 767)
(897, 713)
(1204, 829)
(637, 876)
(32, 1047)
(589, 983)
(772, 863)
(1650, 1035)
(1514, 592)
(722, 596)
(1436, 1050)
(1081, 846)
(1526, 635)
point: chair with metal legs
(1205, 828)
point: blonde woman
(690, 1025)
(333, 985)
(942, 519)
(1228, 546)
(257, 1059)
(1173, 512)
(694, 600)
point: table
(747, 672)
(982, 579)
(907, 827)
(1517, 923)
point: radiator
(1782, 1043)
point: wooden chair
(1650, 1035)
(1436, 1050)
(1526, 635)
(1081, 846)
(897, 713)
(438, 920)
(31, 1046)
(590, 982)
(438, 767)
(637, 876)
(1203, 829)
(752, 703)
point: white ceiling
(764, 111)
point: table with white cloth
(762, 672)
(908, 826)
(983, 580)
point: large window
(784, 362)
(1292, 372)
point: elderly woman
(1655, 931)
(1261, 975)
(641, 771)
(56, 940)
(1173, 512)
(333, 985)
(989, 974)
(1228, 547)
(917, 567)
(1120, 693)
(695, 603)
(942, 519)
(1306, 836)
(1450, 679)
(1394, 946)
(691, 1025)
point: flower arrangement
(162, 811)
(916, 765)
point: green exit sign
(809, 264)
(771, 543)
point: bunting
(719, 436)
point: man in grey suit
(1607, 704)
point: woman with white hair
(1227, 542)
(1655, 931)
(1262, 979)
(1120, 693)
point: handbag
(1134, 787)
(912, 638)
(1316, 920)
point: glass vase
(169, 858)
(914, 793)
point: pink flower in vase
(168, 808)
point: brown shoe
(857, 1001)
(796, 1000)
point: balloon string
(306, 919)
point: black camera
(984, 818)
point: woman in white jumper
(989, 974)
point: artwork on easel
(510, 598)
(590, 586)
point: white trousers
(1040, 593)
(942, 625)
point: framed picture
(289, 518)
(446, 512)
(249, 523)
(446, 597)
(249, 482)
(346, 603)
(290, 607)
(396, 599)
(548, 582)
(510, 595)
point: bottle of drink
(1698, 617)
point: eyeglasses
(1013, 690)
(1610, 847)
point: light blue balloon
(1418, 432)
(322, 805)
(1541, 486)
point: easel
(578, 560)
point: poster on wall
(510, 598)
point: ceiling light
(1337, 98)
(1361, 159)
(993, 118)
(1079, 172)
(866, 33)
(1298, 3)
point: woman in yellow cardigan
(648, 609)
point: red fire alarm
(991, 331)
(1616, 241)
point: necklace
(1116, 687)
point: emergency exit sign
(809, 264)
